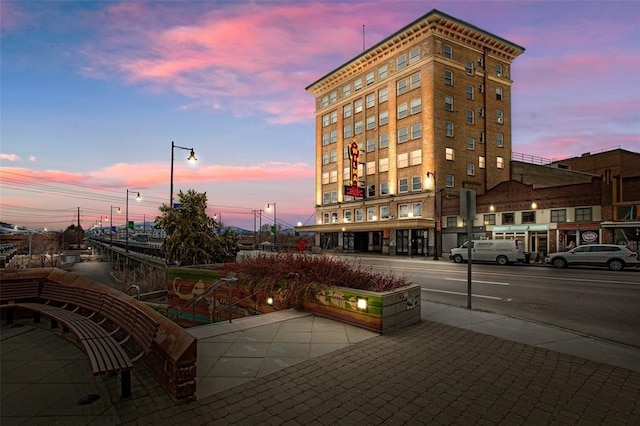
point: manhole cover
(88, 399)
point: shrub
(294, 275)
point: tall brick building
(421, 114)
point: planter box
(383, 313)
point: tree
(73, 235)
(191, 234)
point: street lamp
(111, 226)
(126, 225)
(432, 175)
(275, 226)
(191, 157)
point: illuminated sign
(354, 190)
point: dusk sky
(93, 93)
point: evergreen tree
(191, 234)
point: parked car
(612, 256)
(502, 252)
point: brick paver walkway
(428, 373)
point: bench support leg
(125, 378)
(54, 323)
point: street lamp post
(432, 175)
(126, 225)
(275, 225)
(111, 226)
(191, 157)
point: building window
(417, 209)
(334, 196)
(481, 137)
(334, 156)
(499, 140)
(448, 78)
(508, 218)
(498, 93)
(371, 100)
(346, 111)
(403, 135)
(383, 165)
(369, 78)
(347, 132)
(449, 181)
(403, 111)
(481, 162)
(499, 117)
(469, 92)
(416, 81)
(414, 55)
(529, 217)
(347, 216)
(325, 158)
(558, 216)
(449, 129)
(449, 154)
(489, 219)
(325, 101)
(416, 131)
(371, 167)
(403, 160)
(384, 188)
(384, 141)
(469, 116)
(583, 214)
(325, 139)
(416, 106)
(326, 198)
(499, 70)
(416, 157)
(371, 190)
(334, 217)
(359, 215)
(448, 103)
(334, 136)
(384, 212)
(416, 183)
(401, 62)
(402, 87)
(500, 162)
(403, 185)
(371, 213)
(346, 90)
(357, 85)
(333, 97)
(382, 72)
(358, 127)
(371, 122)
(468, 67)
(357, 105)
(403, 211)
(371, 144)
(452, 222)
(325, 120)
(346, 174)
(383, 118)
(325, 178)
(325, 218)
(334, 116)
(471, 169)
(471, 144)
(383, 95)
(333, 176)
(448, 51)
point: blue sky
(93, 93)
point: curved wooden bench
(103, 323)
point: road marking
(476, 281)
(460, 294)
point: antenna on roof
(363, 37)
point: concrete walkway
(455, 367)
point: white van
(502, 252)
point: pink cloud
(9, 157)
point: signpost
(468, 211)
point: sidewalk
(455, 367)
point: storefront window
(583, 214)
(508, 218)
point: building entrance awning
(379, 225)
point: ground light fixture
(362, 304)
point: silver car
(612, 256)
